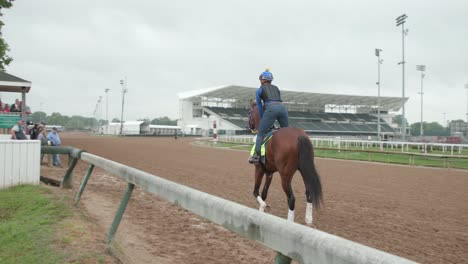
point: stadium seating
(331, 123)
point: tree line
(429, 128)
(77, 122)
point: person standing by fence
(17, 132)
(55, 139)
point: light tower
(124, 90)
(422, 69)
(401, 21)
(379, 61)
(466, 87)
(107, 110)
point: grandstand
(316, 113)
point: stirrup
(254, 159)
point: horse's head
(254, 120)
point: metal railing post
(67, 179)
(282, 259)
(120, 212)
(83, 183)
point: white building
(129, 128)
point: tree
(430, 129)
(166, 121)
(58, 119)
(38, 117)
(4, 58)
(397, 120)
(115, 120)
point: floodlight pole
(107, 110)
(98, 114)
(401, 21)
(422, 69)
(379, 61)
(445, 122)
(466, 87)
(124, 90)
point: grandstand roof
(245, 94)
(10, 83)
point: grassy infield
(38, 227)
(396, 158)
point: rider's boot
(255, 158)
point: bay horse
(287, 151)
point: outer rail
(291, 240)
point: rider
(274, 110)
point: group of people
(28, 131)
(6, 108)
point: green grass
(395, 158)
(37, 226)
(27, 216)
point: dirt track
(416, 213)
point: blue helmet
(266, 75)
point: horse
(287, 151)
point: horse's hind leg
(266, 186)
(258, 181)
(308, 214)
(286, 184)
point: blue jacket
(54, 137)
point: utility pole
(466, 87)
(124, 90)
(401, 21)
(445, 122)
(107, 110)
(422, 69)
(379, 61)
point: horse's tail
(308, 171)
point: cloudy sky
(72, 51)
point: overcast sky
(72, 50)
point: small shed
(161, 130)
(129, 128)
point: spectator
(16, 107)
(17, 132)
(34, 132)
(55, 140)
(6, 108)
(42, 134)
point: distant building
(129, 128)
(459, 127)
(226, 109)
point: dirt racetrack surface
(417, 213)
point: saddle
(265, 141)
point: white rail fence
(19, 162)
(304, 244)
(453, 149)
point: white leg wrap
(290, 215)
(308, 214)
(262, 204)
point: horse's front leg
(258, 181)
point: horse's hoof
(267, 209)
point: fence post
(67, 179)
(282, 259)
(83, 183)
(120, 212)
